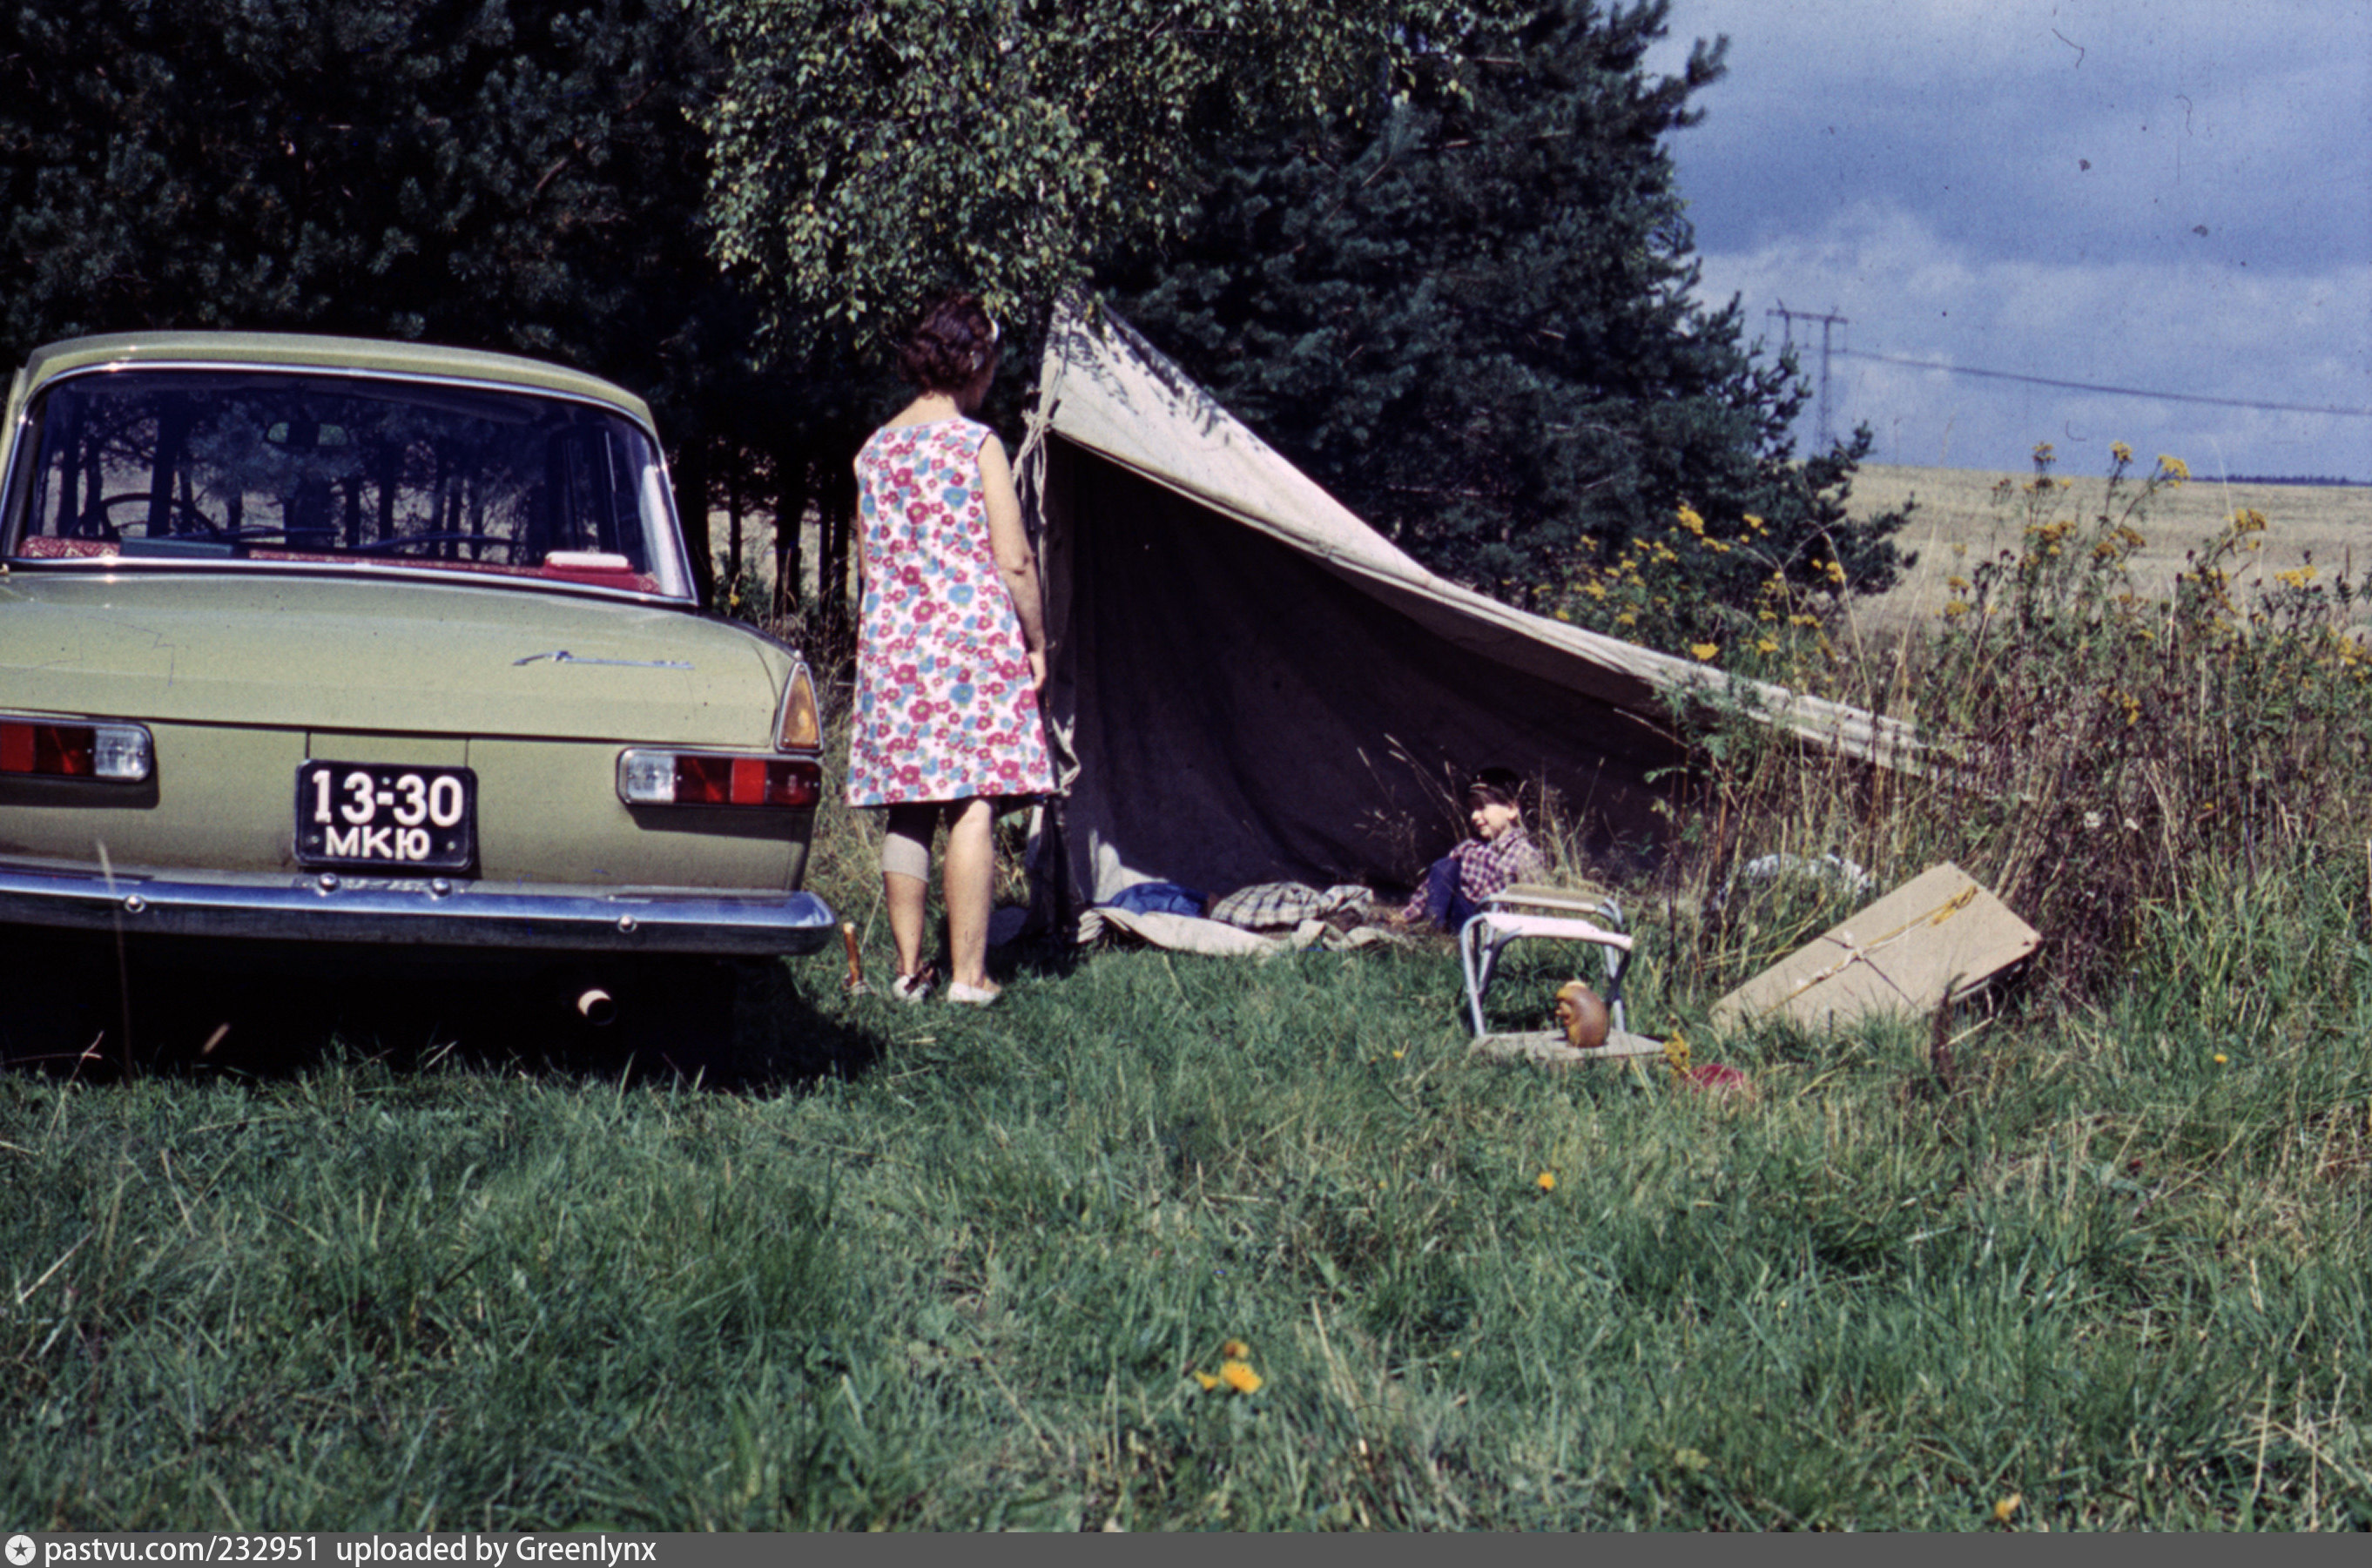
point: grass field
(1959, 522)
(1163, 1243)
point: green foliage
(1474, 321)
(866, 154)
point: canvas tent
(1248, 684)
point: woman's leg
(970, 873)
(905, 878)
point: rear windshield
(293, 468)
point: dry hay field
(1959, 523)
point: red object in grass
(1714, 1078)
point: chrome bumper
(428, 912)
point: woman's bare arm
(1016, 564)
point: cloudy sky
(2167, 196)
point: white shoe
(915, 987)
(974, 995)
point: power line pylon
(1829, 323)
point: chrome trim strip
(345, 571)
(563, 656)
(422, 912)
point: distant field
(1958, 523)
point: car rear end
(326, 643)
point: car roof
(309, 351)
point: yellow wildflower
(1208, 1382)
(1235, 1350)
(1690, 520)
(2221, 1059)
(1594, 590)
(1706, 651)
(2119, 450)
(2174, 471)
(1546, 1181)
(2008, 1506)
(1239, 1376)
(1766, 645)
(1626, 619)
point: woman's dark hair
(951, 341)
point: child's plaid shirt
(1487, 866)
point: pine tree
(1477, 325)
(516, 174)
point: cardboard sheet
(1937, 937)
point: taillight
(118, 753)
(800, 729)
(709, 778)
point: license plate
(386, 814)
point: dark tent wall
(1239, 714)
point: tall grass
(2100, 756)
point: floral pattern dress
(944, 707)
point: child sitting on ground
(1499, 855)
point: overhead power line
(1828, 321)
(2113, 391)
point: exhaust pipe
(596, 1006)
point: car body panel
(322, 653)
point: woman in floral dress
(951, 650)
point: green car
(316, 640)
